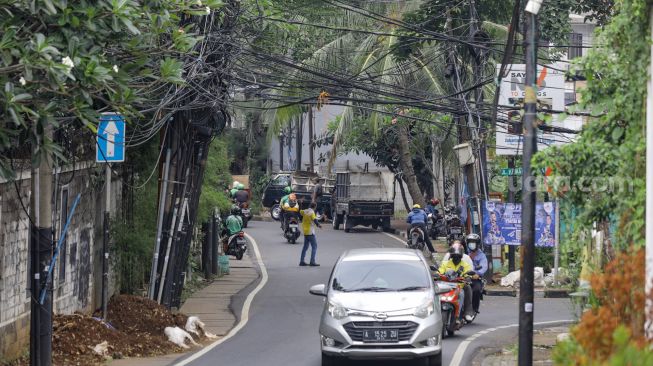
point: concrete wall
(78, 271)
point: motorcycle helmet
(473, 241)
(434, 202)
(417, 206)
(235, 210)
(456, 253)
(287, 190)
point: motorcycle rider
(455, 263)
(234, 224)
(241, 196)
(290, 208)
(466, 258)
(480, 267)
(417, 218)
(431, 207)
(282, 201)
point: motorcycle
(236, 245)
(245, 213)
(451, 303)
(291, 232)
(454, 226)
(416, 238)
(436, 226)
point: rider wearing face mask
(480, 267)
(456, 263)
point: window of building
(575, 45)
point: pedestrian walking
(309, 222)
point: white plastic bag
(178, 336)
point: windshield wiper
(370, 289)
(412, 288)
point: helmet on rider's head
(287, 190)
(434, 202)
(417, 206)
(473, 241)
(235, 210)
(456, 253)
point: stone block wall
(78, 270)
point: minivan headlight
(425, 310)
(337, 311)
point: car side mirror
(433, 268)
(318, 290)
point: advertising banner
(502, 223)
(550, 97)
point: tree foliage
(64, 62)
(611, 147)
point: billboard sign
(502, 223)
(550, 96)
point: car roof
(367, 254)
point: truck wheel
(346, 224)
(336, 221)
(375, 226)
(386, 225)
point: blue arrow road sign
(110, 139)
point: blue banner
(502, 223)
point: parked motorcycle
(436, 226)
(291, 232)
(236, 245)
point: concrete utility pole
(649, 194)
(511, 199)
(298, 142)
(41, 240)
(526, 291)
(311, 161)
(105, 241)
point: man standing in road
(318, 192)
(309, 222)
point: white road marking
(462, 347)
(403, 242)
(244, 315)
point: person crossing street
(309, 222)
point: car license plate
(380, 335)
(293, 226)
(245, 211)
(456, 230)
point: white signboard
(550, 96)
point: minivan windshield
(381, 276)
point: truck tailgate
(371, 208)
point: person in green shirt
(283, 200)
(234, 222)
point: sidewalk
(543, 342)
(212, 305)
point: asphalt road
(284, 317)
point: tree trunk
(403, 193)
(406, 163)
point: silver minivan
(380, 304)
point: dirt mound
(141, 315)
(134, 329)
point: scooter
(436, 226)
(236, 245)
(291, 233)
(454, 226)
(451, 303)
(416, 238)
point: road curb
(501, 292)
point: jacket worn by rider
(288, 206)
(234, 224)
(450, 265)
(416, 216)
(480, 262)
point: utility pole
(298, 143)
(281, 151)
(511, 199)
(41, 240)
(649, 193)
(105, 241)
(311, 161)
(528, 187)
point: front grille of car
(355, 329)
